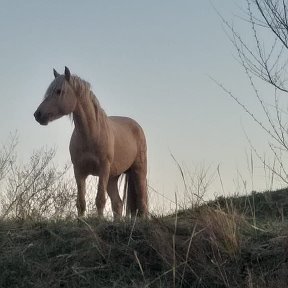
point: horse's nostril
(37, 114)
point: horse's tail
(129, 196)
(124, 200)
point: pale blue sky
(150, 60)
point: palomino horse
(100, 145)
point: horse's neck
(89, 119)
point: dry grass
(205, 247)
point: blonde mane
(84, 93)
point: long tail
(124, 200)
(129, 196)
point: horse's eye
(58, 91)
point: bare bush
(37, 189)
(263, 54)
(7, 155)
(196, 184)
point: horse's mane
(83, 90)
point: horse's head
(60, 99)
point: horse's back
(126, 125)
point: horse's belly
(121, 165)
(124, 157)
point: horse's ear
(56, 74)
(67, 74)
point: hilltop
(229, 242)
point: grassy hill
(229, 242)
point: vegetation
(230, 242)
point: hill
(229, 242)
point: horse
(100, 145)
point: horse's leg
(139, 172)
(140, 182)
(81, 187)
(113, 192)
(102, 188)
(131, 195)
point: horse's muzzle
(40, 118)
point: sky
(149, 60)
